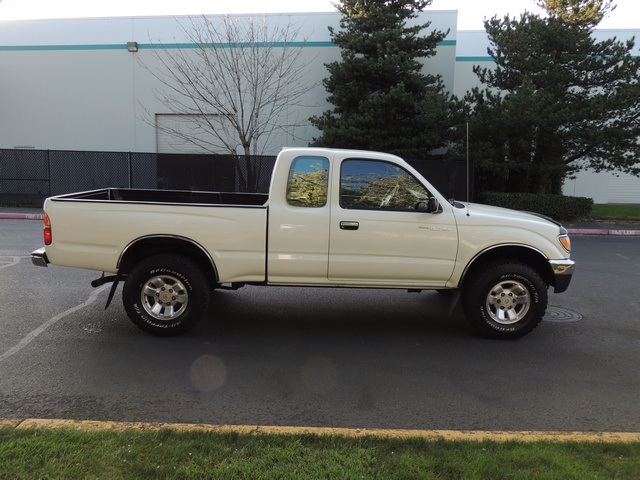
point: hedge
(558, 207)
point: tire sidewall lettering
(142, 314)
(159, 271)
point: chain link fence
(27, 177)
(453, 178)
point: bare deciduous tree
(237, 82)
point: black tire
(506, 300)
(165, 295)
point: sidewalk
(575, 228)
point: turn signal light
(565, 241)
(48, 236)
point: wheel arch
(146, 246)
(523, 253)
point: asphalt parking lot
(322, 357)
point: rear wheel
(506, 300)
(165, 294)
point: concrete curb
(434, 435)
(572, 231)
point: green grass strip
(169, 454)
(620, 213)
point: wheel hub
(508, 302)
(164, 297)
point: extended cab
(332, 218)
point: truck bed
(92, 229)
(128, 195)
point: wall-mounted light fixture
(132, 47)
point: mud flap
(111, 278)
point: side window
(308, 182)
(378, 185)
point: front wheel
(165, 295)
(506, 300)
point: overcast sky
(470, 12)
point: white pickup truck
(332, 218)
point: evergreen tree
(383, 100)
(557, 100)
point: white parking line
(12, 261)
(31, 336)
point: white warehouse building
(84, 84)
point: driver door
(378, 237)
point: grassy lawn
(619, 213)
(167, 454)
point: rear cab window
(308, 182)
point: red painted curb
(588, 231)
(603, 231)
(22, 216)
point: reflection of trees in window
(391, 189)
(308, 183)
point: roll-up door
(624, 188)
(192, 134)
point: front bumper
(562, 272)
(39, 257)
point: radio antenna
(468, 199)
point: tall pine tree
(383, 100)
(557, 100)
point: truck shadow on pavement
(327, 312)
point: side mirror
(430, 206)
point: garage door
(191, 134)
(624, 189)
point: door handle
(349, 225)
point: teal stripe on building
(52, 48)
(486, 58)
(169, 46)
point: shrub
(558, 207)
